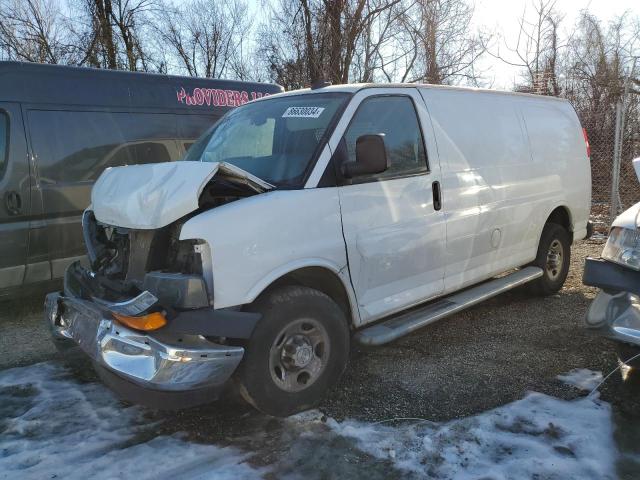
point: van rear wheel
(296, 353)
(554, 255)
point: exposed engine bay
(125, 261)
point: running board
(405, 323)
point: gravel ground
(482, 358)
(24, 339)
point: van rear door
(15, 185)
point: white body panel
(256, 240)
(628, 219)
(505, 162)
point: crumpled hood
(154, 195)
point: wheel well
(561, 217)
(321, 279)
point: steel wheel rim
(555, 259)
(299, 355)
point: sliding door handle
(13, 202)
(437, 195)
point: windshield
(275, 139)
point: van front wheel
(554, 255)
(296, 353)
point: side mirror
(371, 157)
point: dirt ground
(479, 359)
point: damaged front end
(143, 311)
(615, 312)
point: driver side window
(395, 117)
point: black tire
(553, 236)
(261, 383)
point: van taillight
(586, 142)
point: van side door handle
(13, 202)
(437, 196)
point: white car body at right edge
(303, 216)
(615, 311)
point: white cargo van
(304, 220)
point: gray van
(60, 127)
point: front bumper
(615, 312)
(165, 362)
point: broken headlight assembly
(623, 248)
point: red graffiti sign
(215, 97)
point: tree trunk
(104, 31)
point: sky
(501, 17)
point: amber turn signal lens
(147, 323)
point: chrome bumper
(163, 362)
(615, 312)
(616, 316)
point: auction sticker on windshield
(303, 112)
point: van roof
(34, 83)
(355, 87)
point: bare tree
(102, 51)
(537, 48)
(283, 45)
(599, 62)
(443, 48)
(35, 31)
(207, 37)
(309, 40)
(130, 17)
(379, 49)
(117, 33)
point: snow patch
(536, 437)
(581, 378)
(308, 416)
(52, 426)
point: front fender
(256, 240)
(342, 272)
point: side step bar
(405, 323)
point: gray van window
(77, 146)
(190, 127)
(4, 140)
(395, 117)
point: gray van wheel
(296, 353)
(554, 255)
